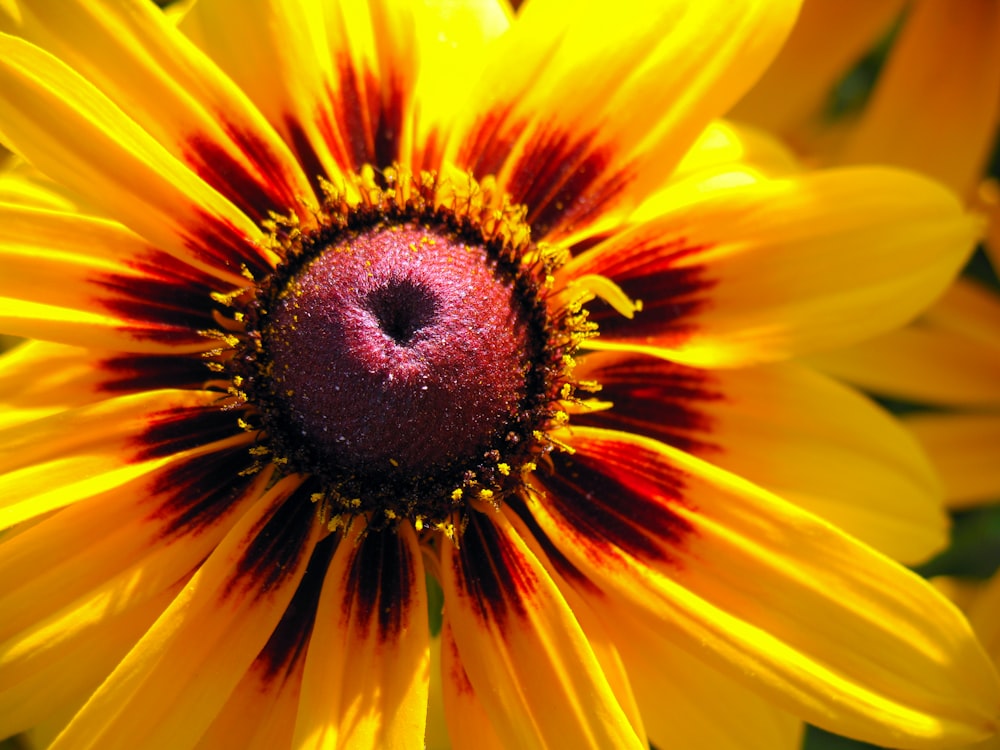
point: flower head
(336, 299)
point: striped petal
(39, 379)
(790, 430)
(602, 104)
(169, 688)
(520, 645)
(135, 56)
(71, 131)
(156, 529)
(935, 106)
(781, 267)
(767, 594)
(260, 713)
(366, 672)
(115, 291)
(351, 83)
(58, 460)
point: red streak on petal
(616, 505)
(176, 430)
(279, 540)
(159, 307)
(218, 244)
(365, 118)
(286, 647)
(459, 677)
(565, 179)
(489, 142)
(499, 579)
(306, 153)
(195, 494)
(380, 586)
(671, 294)
(657, 399)
(254, 179)
(132, 373)
(556, 559)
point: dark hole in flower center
(402, 308)
(395, 354)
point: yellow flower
(318, 289)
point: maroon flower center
(397, 351)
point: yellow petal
(586, 609)
(124, 544)
(260, 713)
(984, 613)
(922, 364)
(781, 267)
(23, 185)
(115, 291)
(524, 652)
(39, 379)
(768, 594)
(601, 104)
(681, 697)
(134, 55)
(287, 77)
(969, 309)
(468, 724)
(367, 667)
(802, 436)
(170, 687)
(66, 662)
(72, 132)
(734, 145)
(58, 460)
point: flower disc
(398, 349)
